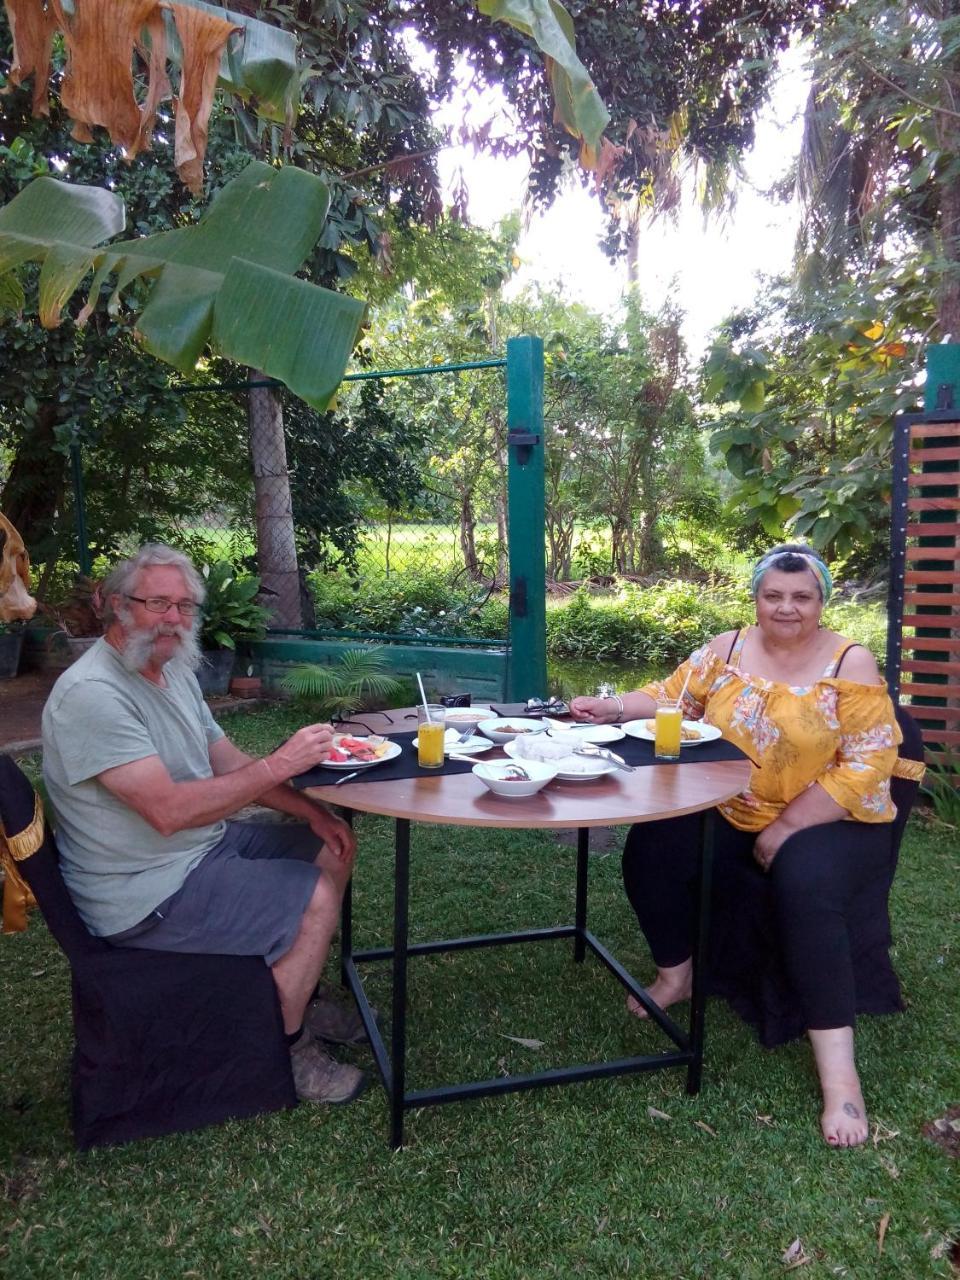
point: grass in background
(583, 1180)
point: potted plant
(11, 644)
(79, 616)
(230, 613)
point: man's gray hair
(122, 580)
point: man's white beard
(139, 644)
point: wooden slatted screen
(923, 642)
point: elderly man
(142, 779)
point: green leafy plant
(79, 614)
(943, 786)
(360, 677)
(231, 611)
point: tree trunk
(276, 543)
(33, 495)
(468, 535)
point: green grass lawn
(578, 1181)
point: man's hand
(336, 834)
(308, 747)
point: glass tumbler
(431, 727)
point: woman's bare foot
(669, 987)
(844, 1117)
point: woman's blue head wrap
(813, 562)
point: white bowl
(504, 728)
(460, 717)
(494, 774)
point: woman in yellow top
(815, 815)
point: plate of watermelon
(360, 753)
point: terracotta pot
(246, 686)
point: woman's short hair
(793, 557)
(122, 579)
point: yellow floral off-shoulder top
(835, 732)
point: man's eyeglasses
(160, 604)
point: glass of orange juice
(431, 726)
(666, 744)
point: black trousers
(814, 878)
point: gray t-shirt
(98, 716)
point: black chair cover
(746, 967)
(164, 1042)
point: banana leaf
(262, 65)
(578, 106)
(226, 282)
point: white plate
(707, 732)
(598, 768)
(393, 750)
(473, 746)
(600, 734)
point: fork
(601, 753)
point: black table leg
(701, 945)
(401, 896)
(346, 918)
(580, 909)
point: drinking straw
(684, 689)
(423, 699)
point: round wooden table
(647, 794)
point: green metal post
(527, 669)
(83, 548)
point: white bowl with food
(504, 778)
(463, 718)
(503, 729)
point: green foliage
(417, 603)
(658, 624)
(811, 456)
(230, 610)
(942, 785)
(360, 679)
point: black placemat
(634, 751)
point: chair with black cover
(746, 965)
(164, 1042)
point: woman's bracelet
(615, 697)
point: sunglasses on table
(160, 604)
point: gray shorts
(246, 897)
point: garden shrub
(658, 625)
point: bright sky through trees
(710, 268)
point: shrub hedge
(658, 624)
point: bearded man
(142, 779)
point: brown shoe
(318, 1077)
(334, 1020)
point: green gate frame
(527, 630)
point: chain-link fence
(359, 520)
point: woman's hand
(767, 844)
(595, 710)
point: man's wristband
(615, 697)
(266, 764)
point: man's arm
(168, 806)
(226, 758)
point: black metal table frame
(392, 1066)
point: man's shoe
(318, 1077)
(337, 1022)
